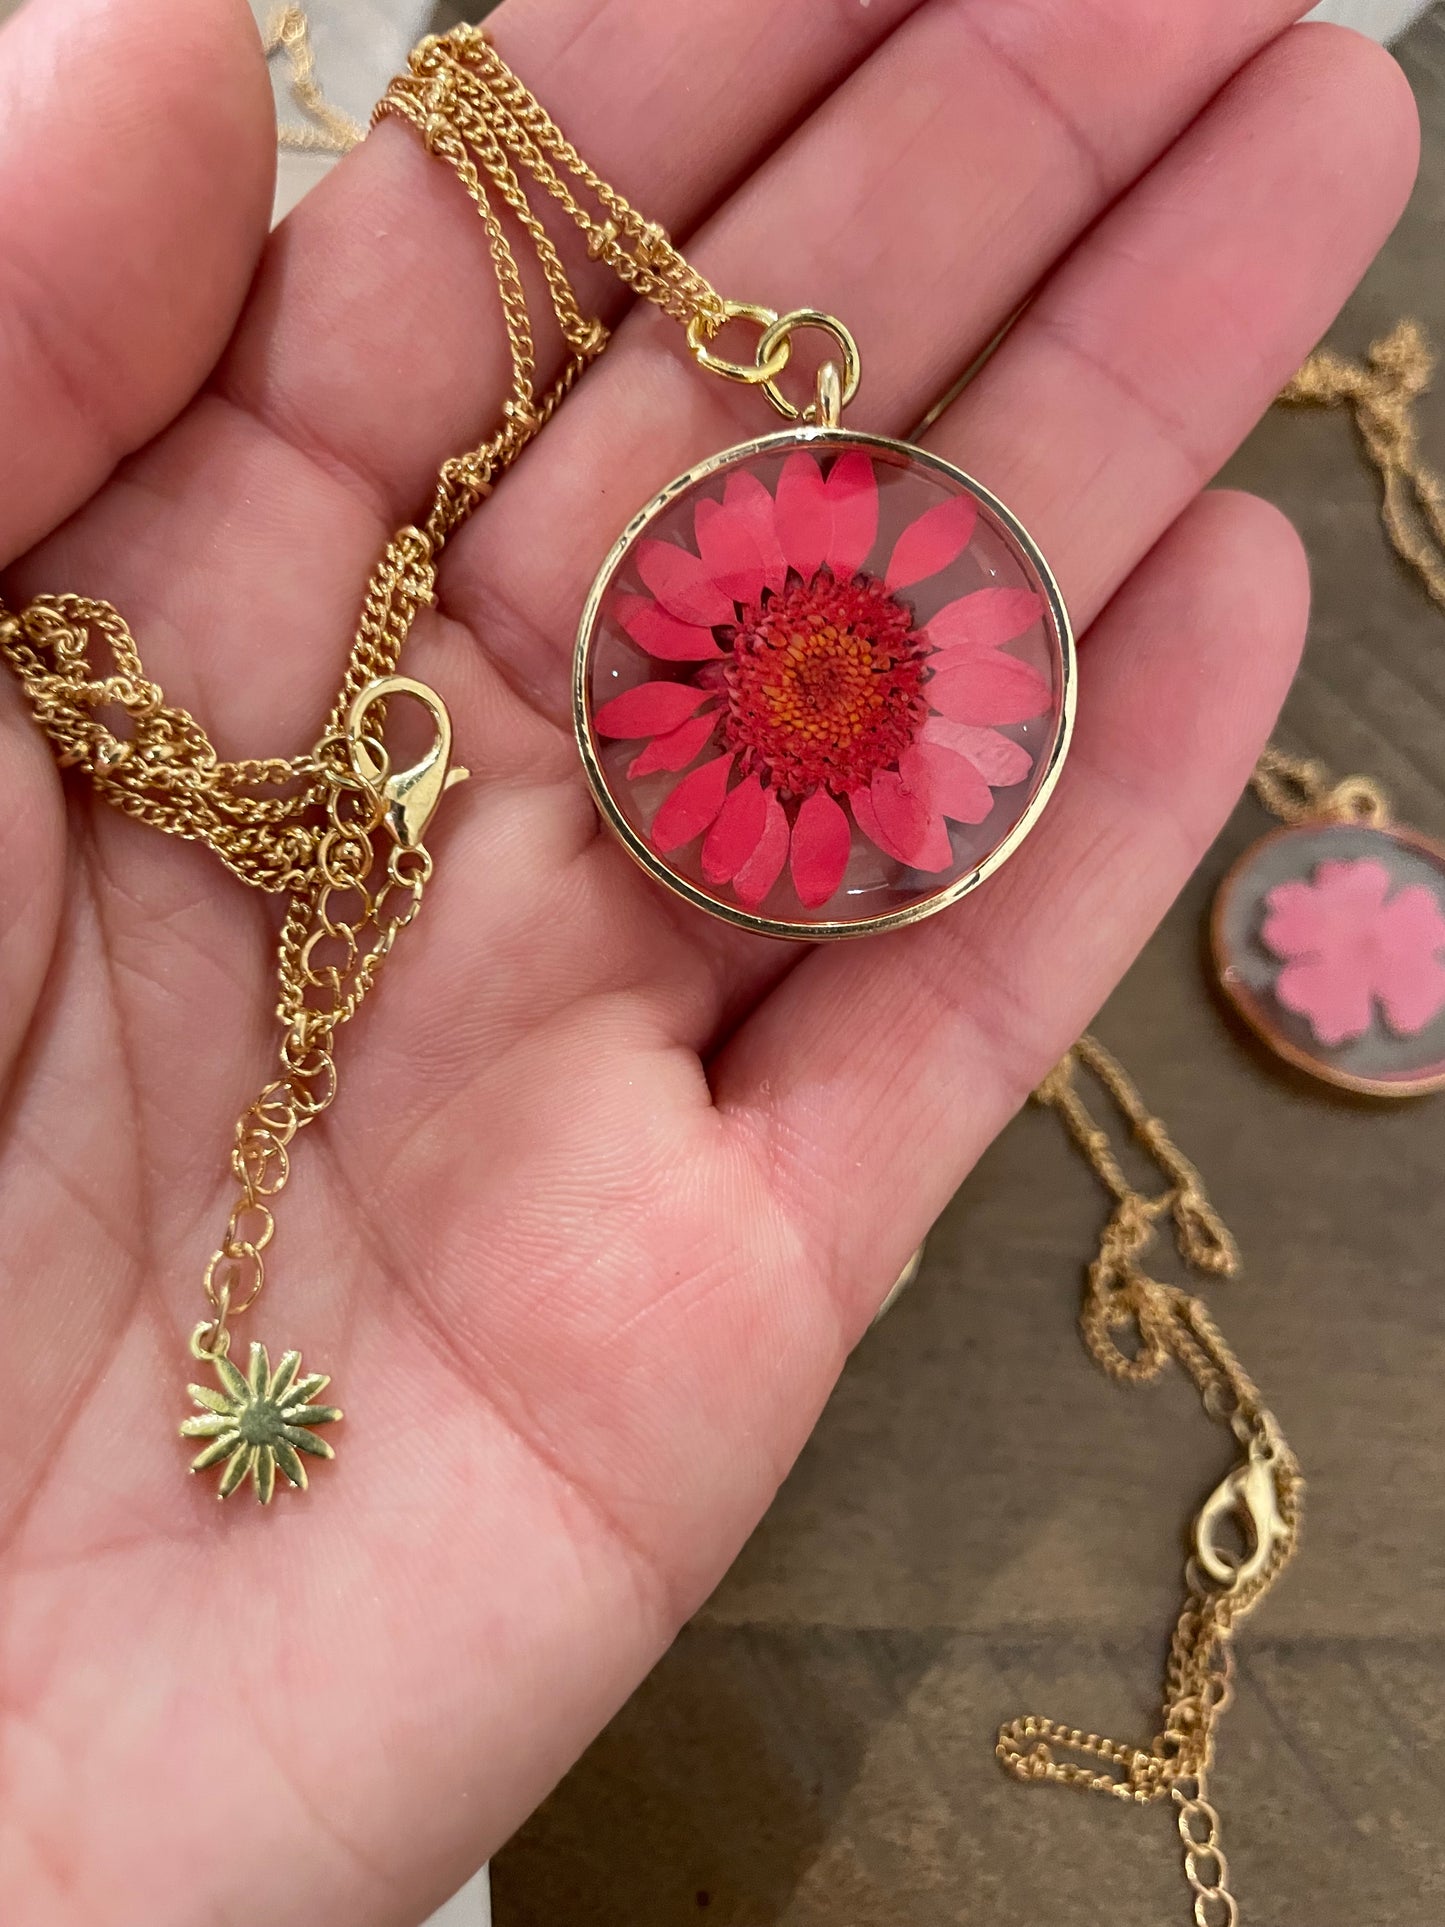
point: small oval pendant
(824, 684)
(1328, 938)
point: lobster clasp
(410, 796)
(1250, 1495)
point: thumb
(136, 160)
(137, 152)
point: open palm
(610, 1189)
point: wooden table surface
(983, 1526)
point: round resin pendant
(824, 684)
(1329, 940)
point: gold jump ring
(779, 334)
(768, 364)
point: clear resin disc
(1329, 940)
(824, 684)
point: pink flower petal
(730, 551)
(987, 689)
(1328, 913)
(662, 635)
(1347, 946)
(746, 497)
(852, 490)
(736, 833)
(822, 840)
(901, 823)
(1290, 924)
(1412, 921)
(985, 619)
(691, 807)
(997, 758)
(683, 584)
(938, 537)
(651, 709)
(749, 506)
(1409, 973)
(804, 514)
(1336, 1003)
(947, 783)
(677, 748)
(866, 817)
(763, 868)
(832, 522)
(1413, 994)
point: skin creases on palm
(609, 1190)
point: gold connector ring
(766, 367)
(247, 1267)
(779, 334)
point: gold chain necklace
(1381, 392)
(1258, 1504)
(325, 128)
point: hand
(610, 1189)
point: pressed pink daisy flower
(803, 691)
(1347, 944)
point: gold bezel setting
(696, 894)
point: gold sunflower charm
(260, 1421)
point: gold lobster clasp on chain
(409, 796)
(1250, 1496)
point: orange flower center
(824, 685)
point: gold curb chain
(1381, 392)
(1297, 789)
(1133, 1326)
(325, 128)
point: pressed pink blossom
(803, 689)
(1348, 945)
